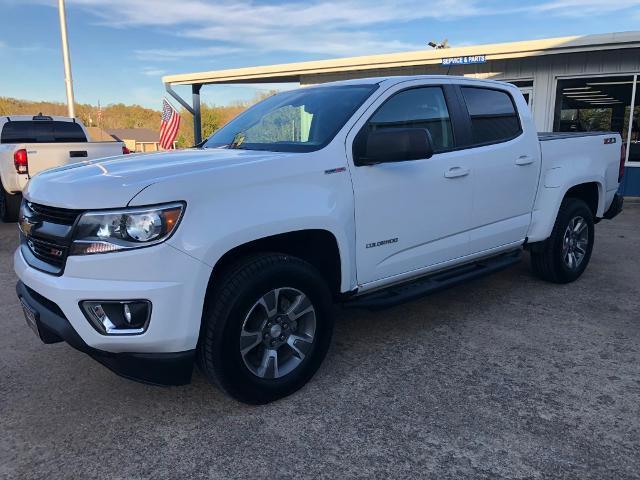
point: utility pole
(67, 61)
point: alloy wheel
(278, 333)
(575, 242)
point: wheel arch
(590, 190)
(591, 193)
(318, 247)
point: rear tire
(564, 256)
(9, 206)
(265, 294)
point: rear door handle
(456, 172)
(78, 154)
(524, 160)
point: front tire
(266, 328)
(564, 256)
(9, 206)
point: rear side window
(423, 107)
(34, 131)
(493, 115)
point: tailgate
(43, 156)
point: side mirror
(392, 145)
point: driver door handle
(457, 172)
(524, 160)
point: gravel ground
(506, 377)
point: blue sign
(469, 60)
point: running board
(421, 287)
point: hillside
(129, 116)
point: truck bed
(581, 157)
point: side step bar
(421, 287)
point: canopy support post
(197, 116)
(193, 110)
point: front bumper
(154, 368)
(172, 281)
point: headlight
(110, 231)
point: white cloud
(580, 8)
(168, 54)
(326, 27)
(24, 49)
(153, 72)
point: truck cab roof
(393, 80)
(38, 117)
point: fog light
(110, 317)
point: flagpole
(66, 58)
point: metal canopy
(296, 72)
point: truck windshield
(300, 120)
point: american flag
(169, 126)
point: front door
(415, 214)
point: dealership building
(573, 84)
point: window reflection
(598, 104)
(593, 104)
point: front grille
(47, 235)
(62, 216)
(51, 253)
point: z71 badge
(382, 242)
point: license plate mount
(31, 316)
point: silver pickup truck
(31, 144)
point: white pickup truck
(364, 193)
(31, 144)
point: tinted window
(493, 115)
(68, 132)
(300, 120)
(42, 132)
(417, 108)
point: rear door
(505, 162)
(415, 214)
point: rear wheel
(564, 256)
(9, 206)
(266, 328)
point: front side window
(493, 115)
(423, 107)
(300, 120)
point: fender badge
(335, 170)
(381, 243)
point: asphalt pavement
(506, 377)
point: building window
(521, 83)
(594, 104)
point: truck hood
(113, 182)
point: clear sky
(121, 48)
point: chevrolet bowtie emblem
(26, 225)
